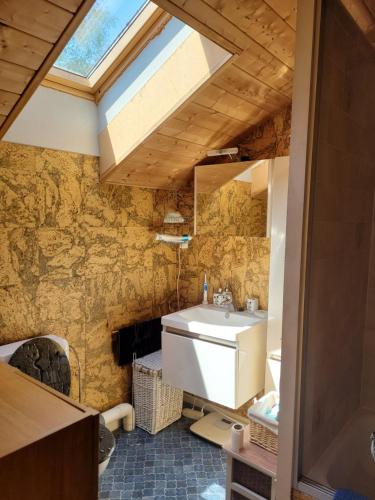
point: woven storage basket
(157, 405)
(260, 433)
(263, 437)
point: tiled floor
(173, 464)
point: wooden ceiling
(255, 84)
(209, 178)
(32, 34)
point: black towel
(139, 339)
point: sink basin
(211, 321)
(215, 354)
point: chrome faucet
(224, 299)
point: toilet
(55, 372)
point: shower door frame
(301, 160)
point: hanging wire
(178, 277)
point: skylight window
(105, 23)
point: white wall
(56, 120)
(279, 169)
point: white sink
(211, 321)
(214, 354)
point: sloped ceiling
(256, 83)
(32, 34)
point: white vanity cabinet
(224, 363)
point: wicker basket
(157, 405)
(263, 437)
(261, 434)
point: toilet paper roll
(237, 436)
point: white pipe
(123, 411)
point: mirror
(231, 199)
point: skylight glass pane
(103, 25)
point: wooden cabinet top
(30, 410)
(254, 456)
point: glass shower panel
(338, 378)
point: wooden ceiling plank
(157, 177)
(211, 119)
(35, 17)
(206, 23)
(209, 178)
(68, 90)
(165, 183)
(214, 19)
(14, 78)
(52, 78)
(250, 89)
(231, 105)
(2, 119)
(165, 144)
(263, 66)
(193, 133)
(262, 24)
(7, 101)
(23, 49)
(65, 35)
(169, 155)
(71, 5)
(152, 157)
(286, 9)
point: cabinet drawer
(203, 368)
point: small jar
(252, 304)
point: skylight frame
(102, 70)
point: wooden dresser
(48, 442)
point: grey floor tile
(174, 464)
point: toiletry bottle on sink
(205, 290)
(252, 304)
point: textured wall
(342, 204)
(269, 139)
(231, 210)
(240, 262)
(78, 259)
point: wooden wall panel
(287, 10)
(243, 85)
(262, 24)
(13, 77)
(35, 17)
(260, 64)
(32, 34)
(7, 101)
(23, 49)
(71, 5)
(230, 105)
